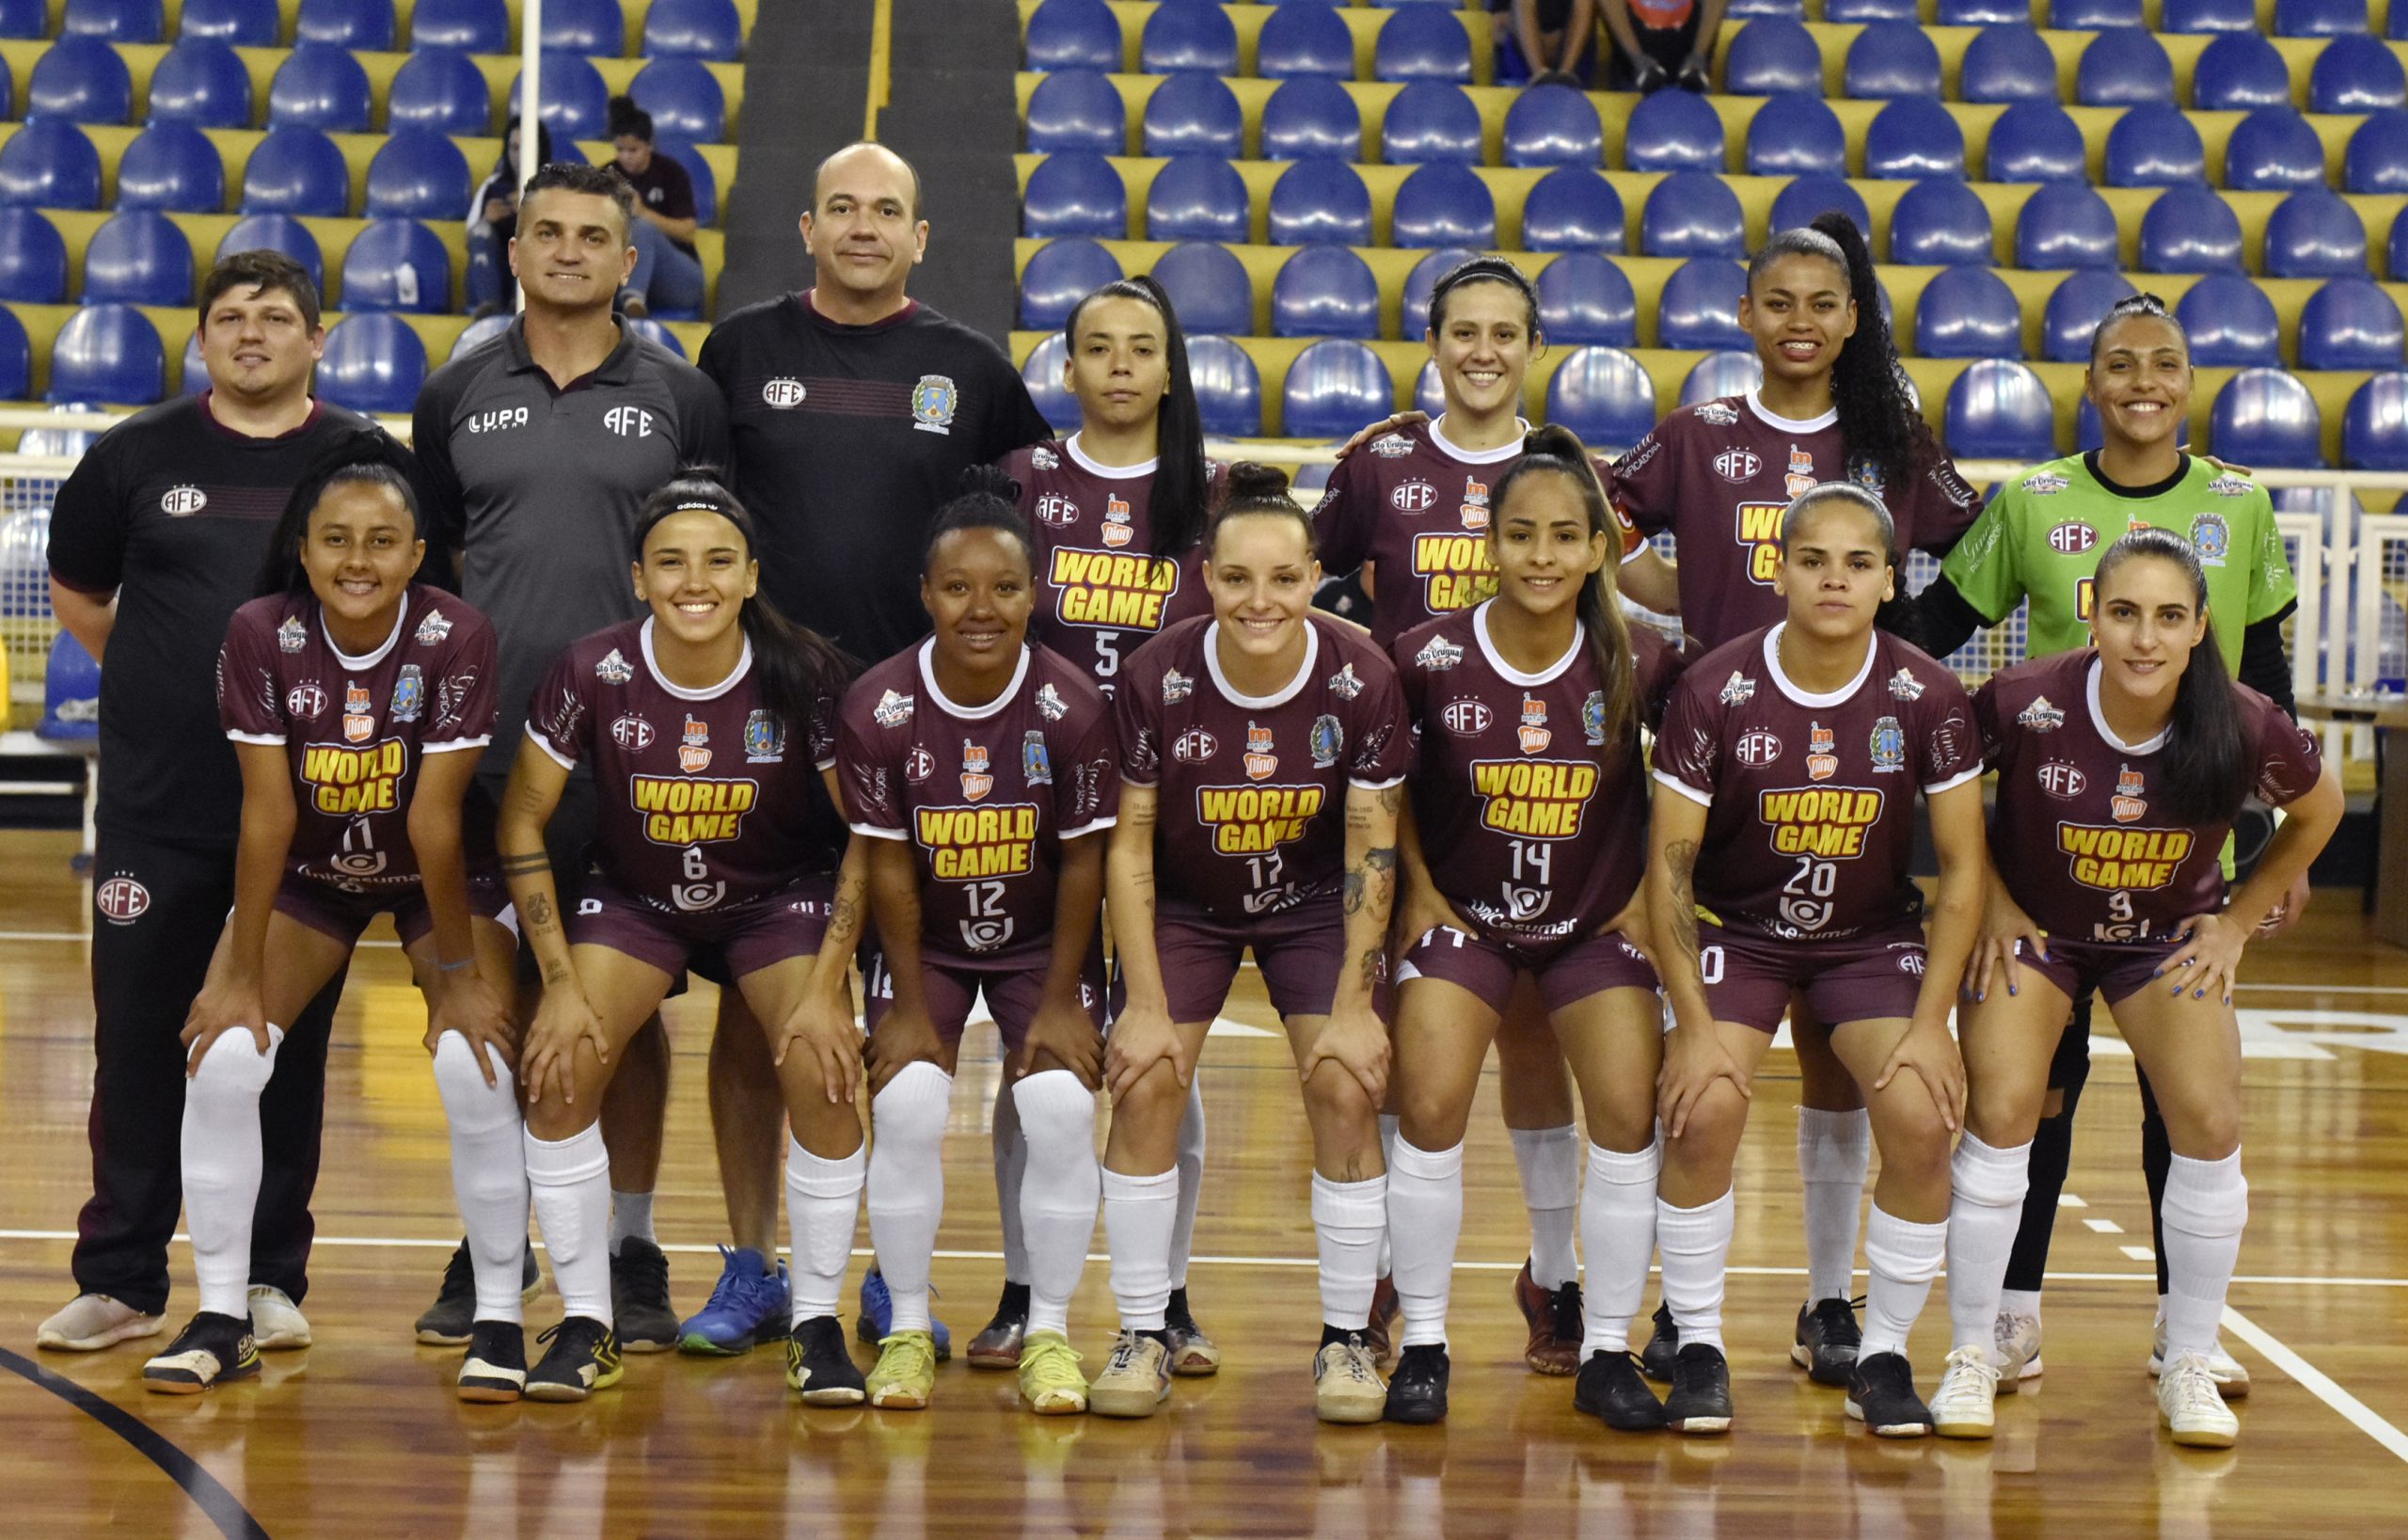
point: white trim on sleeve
(452, 745)
(1955, 781)
(264, 740)
(1675, 783)
(545, 744)
(1375, 785)
(1085, 829)
(871, 831)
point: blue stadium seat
(33, 258)
(1311, 116)
(1304, 39)
(2231, 322)
(1422, 43)
(1553, 125)
(1999, 411)
(1733, 371)
(320, 86)
(1325, 290)
(1969, 312)
(1846, 12)
(1603, 394)
(645, 326)
(2066, 225)
(116, 21)
(2208, 16)
(684, 98)
(174, 167)
(2123, 67)
(2265, 417)
(1188, 37)
(1773, 57)
(25, 18)
(698, 171)
(138, 257)
(2377, 158)
(2075, 309)
(472, 26)
(1229, 389)
(477, 333)
(397, 264)
(1795, 136)
(1699, 305)
(1793, 10)
(1042, 375)
(72, 681)
(1077, 110)
(82, 80)
(1980, 12)
(49, 163)
(1673, 130)
(711, 29)
(296, 171)
(251, 23)
(201, 81)
(2190, 229)
(417, 175)
(1584, 298)
(2350, 77)
(2035, 141)
(1445, 204)
(1429, 121)
(1413, 313)
(2374, 427)
(1194, 115)
(347, 24)
(2396, 26)
(1334, 387)
(2272, 149)
(2352, 324)
(575, 104)
(107, 354)
(2239, 71)
(1692, 213)
(442, 89)
(372, 363)
(1075, 195)
(2315, 234)
(1207, 286)
(1429, 391)
(1196, 198)
(1941, 223)
(1913, 138)
(195, 378)
(1573, 209)
(1321, 200)
(594, 27)
(2320, 18)
(2008, 63)
(276, 233)
(2093, 15)
(2154, 145)
(1061, 35)
(1805, 198)
(2395, 249)
(1060, 274)
(1892, 58)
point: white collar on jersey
(1789, 424)
(1512, 676)
(371, 660)
(651, 666)
(1109, 473)
(969, 713)
(2098, 716)
(1837, 697)
(1259, 703)
(1508, 450)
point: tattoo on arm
(1680, 858)
(525, 866)
(539, 911)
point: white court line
(2360, 1416)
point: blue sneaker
(744, 1302)
(873, 1326)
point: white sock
(1348, 1218)
(570, 1180)
(1011, 1159)
(1618, 1233)
(823, 1208)
(1904, 1258)
(1549, 1161)
(1191, 1181)
(630, 1218)
(907, 1184)
(2207, 1207)
(1138, 1213)
(488, 1171)
(1058, 1193)
(1835, 1150)
(2019, 1301)
(222, 1163)
(1696, 1246)
(1984, 1213)
(1425, 1222)
(1389, 1124)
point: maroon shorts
(1013, 993)
(1565, 974)
(333, 912)
(1749, 979)
(719, 944)
(2113, 970)
(1299, 952)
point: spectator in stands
(493, 219)
(1659, 43)
(668, 271)
(1554, 37)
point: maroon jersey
(1533, 825)
(984, 794)
(1101, 592)
(1718, 474)
(356, 729)
(1251, 790)
(2073, 836)
(701, 802)
(1812, 797)
(1416, 507)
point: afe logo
(1737, 464)
(784, 394)
(306, 701)
(2061, 781)
(1195, 746)
(1467, 719)
(183, 501)
(918, 765)
(121, 901)
(629, 422)
(1414, 498)
(1056, 511)
(1757, 749)
(632, 733)
(2072, 538)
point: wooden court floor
(361, 1436)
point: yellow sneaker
(1050, 1380)
(906, 1375)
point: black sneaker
(1611, 1388)
(1881, 1395)
(640, 1297)
(583, 1358)
(1700, 1398)
(1828, 1340)
(1418, 1385)
(451, 1319)
(1194, 1355)
(211, 1350)
(1663, 1348)
(494, 1369)
(821, 1366)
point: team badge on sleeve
(1738, 689)
(1260, 763)
(1035, 766)
(1593, 719)
(694, 753)
(1392, 446)
(933, 400)
(436, 627)
(976, 779)
(1533, 732)
(893, 710)
(2040, 717)
(1439, 654)
(1050, 704)
(1326, 739)
(409, 693)
(1717, 413)
(1889, 746)
(612, 670)
(1821, 763)
(1904, 686)
(1345, 683)
(292, 636)
(765, 739)
(1176, 686)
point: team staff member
(538, 449)
(155, 540)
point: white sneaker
(1962, 1408)
(2190, 1406)
(92, 1322)
(277, 1322)
(2231, 1377)
(2016, 1346)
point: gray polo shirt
(538, 487)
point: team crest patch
(614, 668)
(2040, 717)
(933, 400)
(2233, 486)
(2073, 537)
(1195, 746)
(1050, 704)
(2213, 537)
(1904, 686)
(694, 752)
(1438, 654)
(183, 501)
(1821, 762)
(1391, 446)
(785, 393)
(918, 765)
(306, 700)
(1533, 732)
(1262, 764)
(976, 778)
(1176, 686)
(1738, 689)
(410, 694)
(1466, 718)
(765, 739)
(893, 709)
(359, 719)
(436, 627)
(1593, 719)
(1041, 458)
(1035, 766)
(2044, 483)
(292, 636)
(1325, 741)
(1721, 414)
(632, 733)
(1345, 683)
(1737, 464)
(1756, 749)
(122, 899)
(1889, 746)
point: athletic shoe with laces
(210, 1349)
(2191, 1406)
(1700, 1398)
(1050, 1380)
(639, 1305)
(2231, 1377)
(998, 1345)
(1418, 1384)
(584, 1357)
(452, 1317)
(1611, 1388)
(1346, 1382)
(1828, 1340)
(1379, 1331)
(1963, 1408)
(1193, 1354)
(1657, 1359)
(494, 1369)
(820, 1367)
(89, 1322)
(749, 1300)
(1881, 1395)
(2015, 1340)
(906, 1375)
(1553, 1316)
(276, 1324)
(1135, 1379)
(876, 1321)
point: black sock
(1175, 1313)
(1160, 1335)
(1015, 1300)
